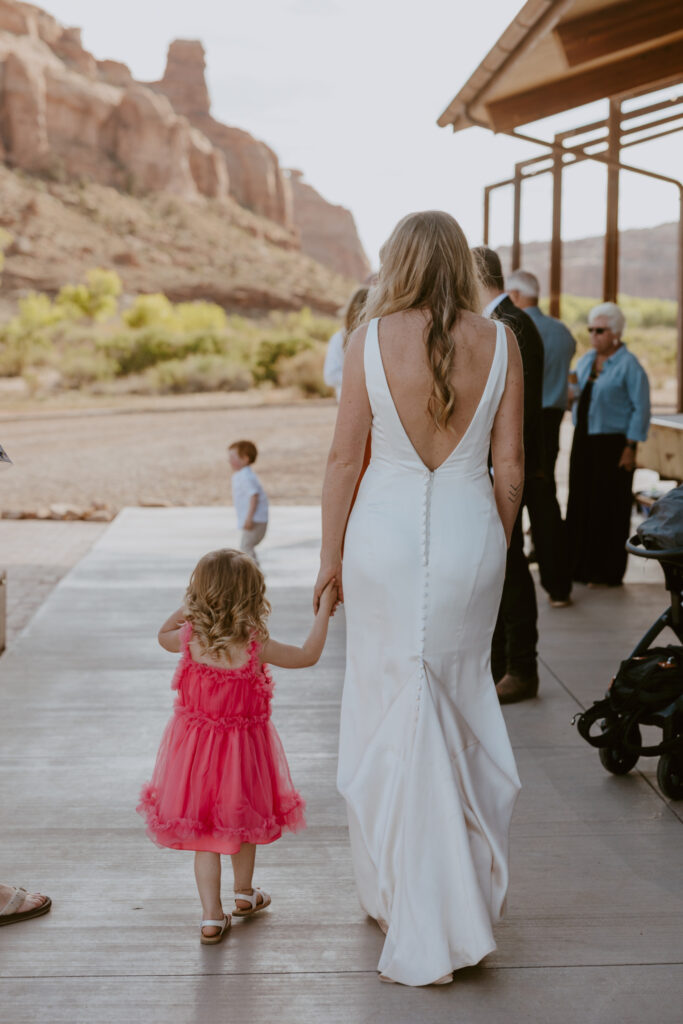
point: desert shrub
(81, 367)
(197, 373)
(134, 351)
(305, 323)
(26, 339)
(152, 310)
(271, 352)
(97, 298)
(305, 371)
(200, 316)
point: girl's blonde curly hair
(226, 602)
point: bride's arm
(507, 441)
(344, 463)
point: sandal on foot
(253, 900)
(9, 913)
(212, 940)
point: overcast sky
(349, 92)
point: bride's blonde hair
(426, 264)
(226, 602)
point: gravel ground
(173, 452)
(35, 556)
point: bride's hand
(328, 571)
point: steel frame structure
(604, 142)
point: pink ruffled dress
(221, 776)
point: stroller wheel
(670, 775)
(620, 759)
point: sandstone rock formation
(256, 179)
(328, 233)
(65, 115)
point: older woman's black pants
(599, 508)
(516, 635)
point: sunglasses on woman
(597, 330)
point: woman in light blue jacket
(611, 415)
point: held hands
(329, 599)
(329, 578)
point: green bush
(26, 339)
(136, 350)
(271, 353)
(305, 372)
(81, 367)
(97, 298)
(149, 310)
(197, 373)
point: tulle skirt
(218, 784)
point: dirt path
(174, 452)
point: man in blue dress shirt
(559, 347)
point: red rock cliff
(328, 232)
(256, 179)
(64, 113)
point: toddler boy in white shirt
(248, 495)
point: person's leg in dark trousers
(513, 651)
(549, 535)
(552, 420)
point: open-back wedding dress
(425, 762)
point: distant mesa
(647, 263)
(66, 114)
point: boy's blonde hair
(226, 601)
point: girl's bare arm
(289, 656)
(169, 634)
(507, 441)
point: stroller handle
(635, 546)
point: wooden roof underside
(560, 54)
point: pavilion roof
(559, 54)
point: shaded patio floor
(593, 931)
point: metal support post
(516, 254)
(556, 239)
(610, 279)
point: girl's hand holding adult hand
(329, 599)
(330, 572)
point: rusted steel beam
(516, 254)
(610, 276)
(556, 238)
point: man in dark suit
(514, 660)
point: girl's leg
(243, 870)
(207, 871)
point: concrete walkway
(593, 932)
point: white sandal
(253, 900)
(211, 940)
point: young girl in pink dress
(221, 783)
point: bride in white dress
(425, 763)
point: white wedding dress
(425, 763)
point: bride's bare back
(410, 378)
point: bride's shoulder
(474, 321)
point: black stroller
(648, 688)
